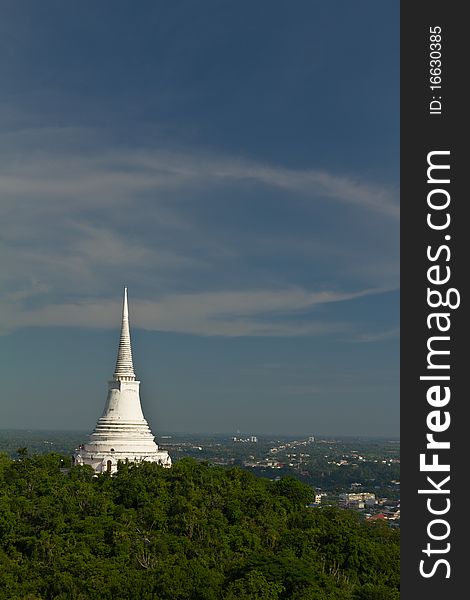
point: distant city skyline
(240, 176)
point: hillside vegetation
(193, 532)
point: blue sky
(236, 165)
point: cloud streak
(80, 223)
(113, 178)
(231, 314)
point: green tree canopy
(191, 532)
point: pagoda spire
(122, 432)
(124, 368)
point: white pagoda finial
(124, 368)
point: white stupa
(121, 433)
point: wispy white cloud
(80, 218)
(63, 174)
(236, 313)
(377, 336)
(309, 182)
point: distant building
(122, 432)
(355, 485)
(251, 438)
(357, 500)
(379, 517)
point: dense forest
(193, 532)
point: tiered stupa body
(122, 432)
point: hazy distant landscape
(40, 442)
(184, 444)
(330, 465)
